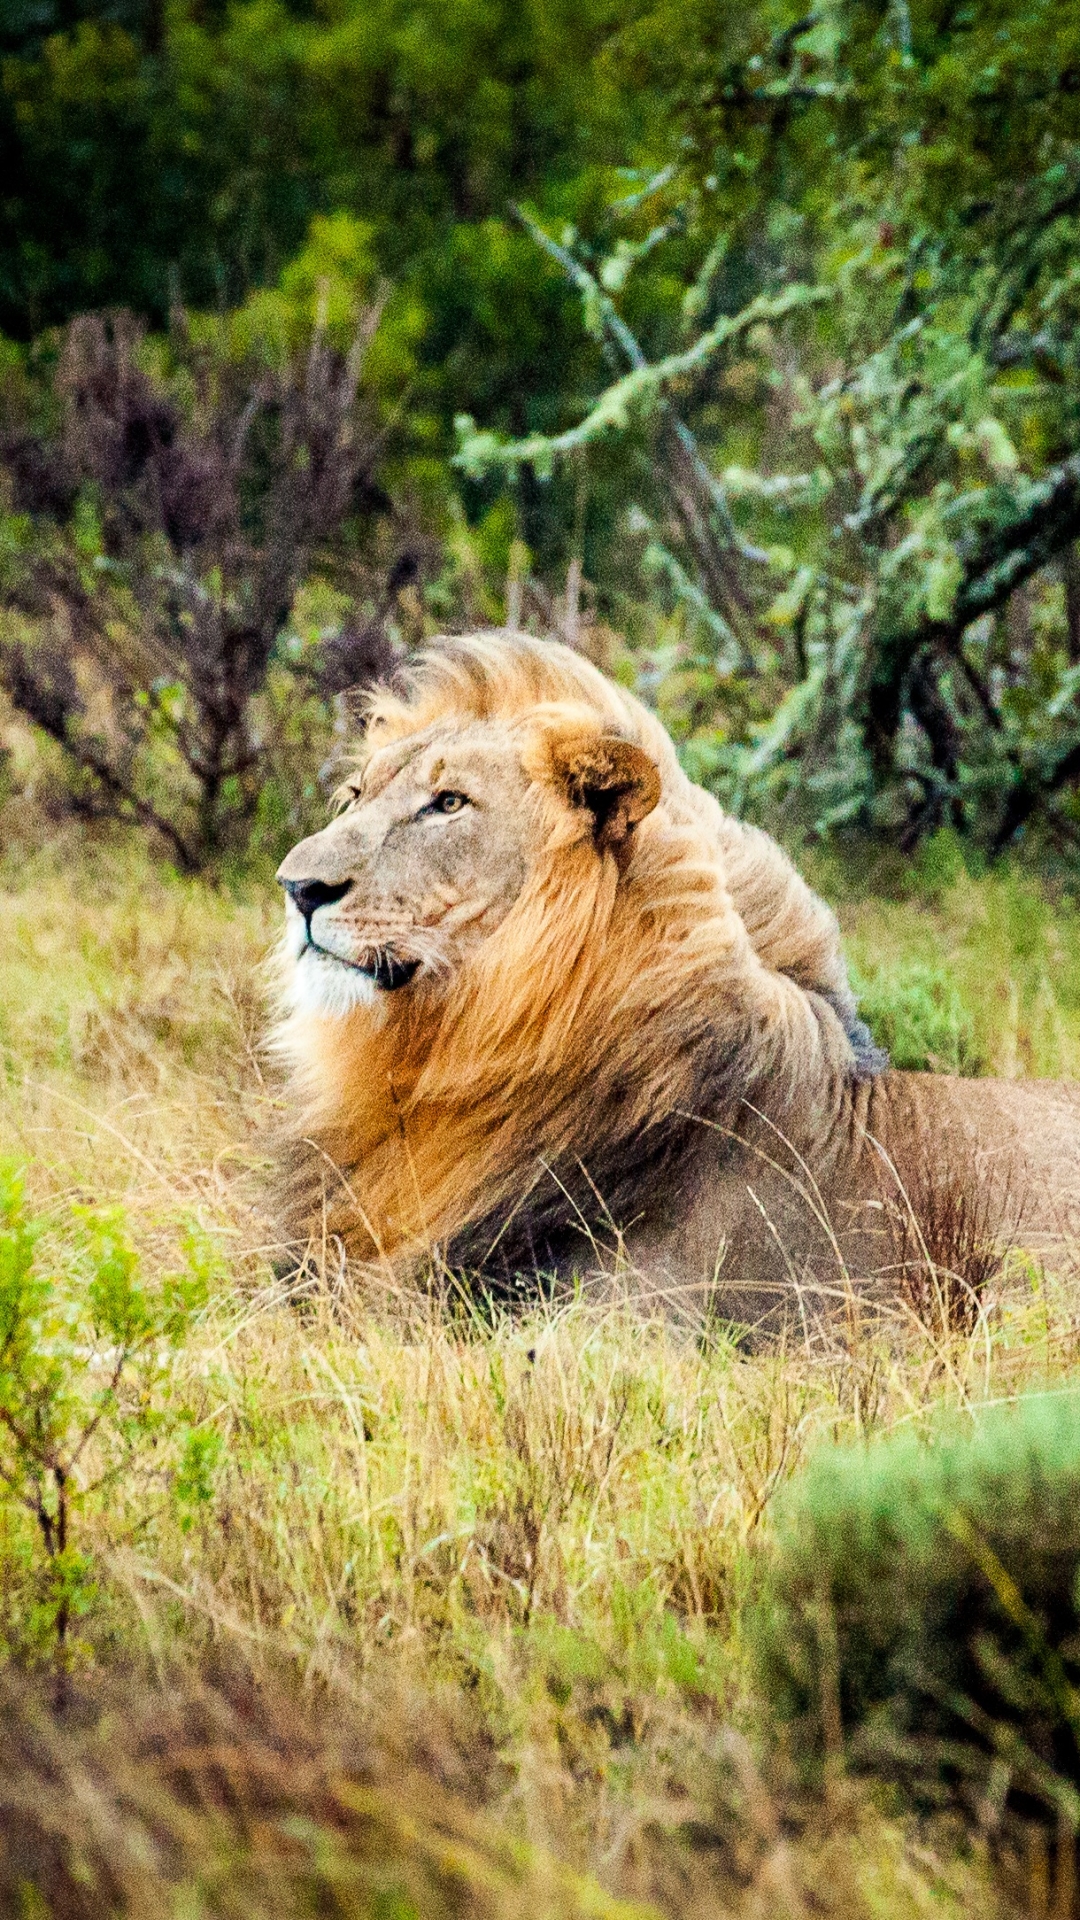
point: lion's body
(895, 1172)
(627, 1037)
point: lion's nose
(309, 894)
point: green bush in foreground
(922, 1613)
(86, 1352)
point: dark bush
(166, 507)
(922, 1613)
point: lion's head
(527, 951)
(440, 832)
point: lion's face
(423, 865)
(438, 843)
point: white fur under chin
(320, 985)
(318, 982)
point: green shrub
(86, 1355)
(922, 1612)
(916, 1012)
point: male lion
(552, 1010)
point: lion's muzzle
(385, 970)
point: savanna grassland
(376, 1604)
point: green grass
(528, 1549)
(958, 971)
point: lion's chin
(322, 983)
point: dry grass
(544, 1529)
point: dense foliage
(162, 530)
(759, 329)
(862, 403)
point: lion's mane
(551, 1083)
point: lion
(550, 1011)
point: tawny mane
(633, 988)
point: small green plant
(922, 1613)
(914, 1010)
(86, 1355)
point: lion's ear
(614, 780)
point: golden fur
(650, 1037)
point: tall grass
(546, 1528)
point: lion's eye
(447, 803)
